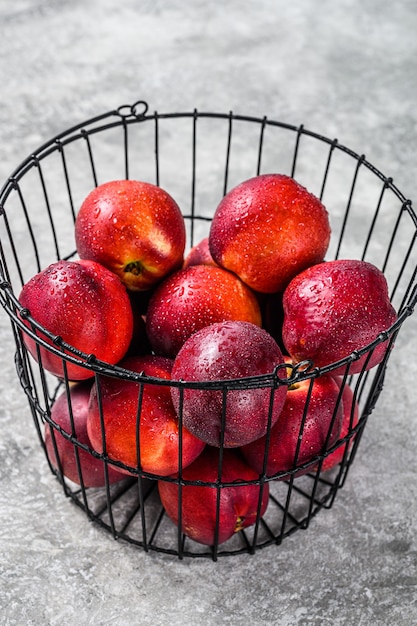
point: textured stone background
(346, 69)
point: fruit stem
(135, 267)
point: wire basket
(197, 157)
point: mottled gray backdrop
(346, 69)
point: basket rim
(127, 114)
(138, 112)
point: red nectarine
(193, 298)
(224, 351)
(86, 305)
(349, 421)
(134, 228)
(239, 504)
(70, 414)
(199, 255)
(268, 229)
(309, 423)
(153, 446)
(335, 308)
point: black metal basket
(197, 156)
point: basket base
(292, 506)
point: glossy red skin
(238, 504)
(85, 304)
(285, 433)
(123, 222)
(222, 351)
(193, 298)
(267, 230)
(349, 421)
(199, 255)
(159, 430)
(334, 308)
(92, 468)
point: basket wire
(197, 157)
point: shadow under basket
(197, 157)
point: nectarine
(335, 308)
(239, 504)
(139, 420)
(86, 305)
(267, 229)
(224, 351)
(134, 228)
(70, 414)
(199, 254)
(349, 421)
(193, 298)
(310, 419)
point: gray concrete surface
(346, 69)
